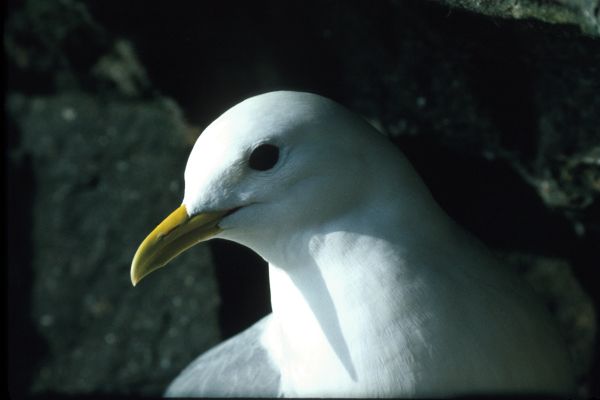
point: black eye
(264, 157)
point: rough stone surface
(582, 13)
(499, 115)
(525, 96)
(100, 186)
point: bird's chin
(241, 222)
(232, 216)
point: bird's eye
(264, 157)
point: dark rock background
(104, 100)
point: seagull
(375, 290)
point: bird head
(266, 168)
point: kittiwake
(375, 291)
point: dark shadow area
(243, 279)
(56, 56)
(468, 188)
(586, 259)
(499, 73)
(259, 46)
(25, 346)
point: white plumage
(375, 291)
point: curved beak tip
(175, 234)
(134, 275)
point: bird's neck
(342, 296)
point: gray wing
(238, 367)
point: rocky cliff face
(498, 109)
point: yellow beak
(177, 233)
